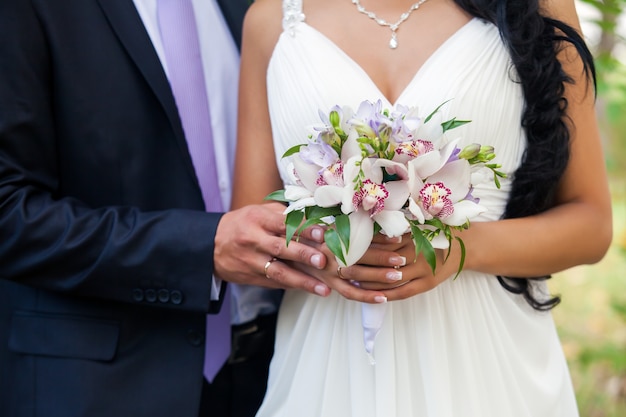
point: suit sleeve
(58, 243)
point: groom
(106, 246)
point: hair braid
(534, 41)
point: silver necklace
(393, 43)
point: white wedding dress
(468, 348)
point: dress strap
(292, 15)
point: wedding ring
(267, 265)
(403, 283)
(339, 272)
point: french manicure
(394, 239)
(316, 261)
(380, 299)
(321, 290)
(397, 260)
(317, 234)
(394, 275)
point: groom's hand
(250, 249)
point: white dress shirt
(220, 59)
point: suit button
(138, 295)
(195, 338)
(176, 297)
(164, 295)
(151, 295)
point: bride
(483, 344)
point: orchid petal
(432, 130)
(448, 149)
(392, 168)
(415, 183)
(393, 223)
(296, 192)
(463, 211)
(307, 173)
(398, 194)
(361, 234)
(416, 210)
(351, 146)
(329, 195)
(300, 204)
(426, 164)
(456, 176)
(351, 171)
(372, 170)
(347, 202)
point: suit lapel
(129, 28)
(234, 11)
(127, 24)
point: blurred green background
(592, 316)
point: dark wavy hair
(533, 41)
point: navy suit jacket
(106, 253)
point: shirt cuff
(216, 286)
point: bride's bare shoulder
(263, 23)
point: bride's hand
(382, 266)
(376, 266)
(415, 276)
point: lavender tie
(179, 35)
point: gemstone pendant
(393, 43)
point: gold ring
(339, 272)
(403, 283)
(267, 265)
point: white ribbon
(372, 316)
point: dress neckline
(445, 45)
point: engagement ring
(267, 265)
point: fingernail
(394, 276)
(380, 299)
(320, 290)
(317, 234)
(355, 283)
(397, 260)
(395, 239)
(316, 261)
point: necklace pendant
(393, 43)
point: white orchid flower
(372, 201)
(427, 163)
(444, 195)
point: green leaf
(436, 223)
(430, 116)
(310, 222)
(342, 225)
(448, 234)
(293, 150)
(278, 195)
(320, 212)
(423, 246)
(293, 221)
(334, 244)
(453, 124)
(462, 262)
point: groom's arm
(59, 243)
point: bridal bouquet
(384, 171)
